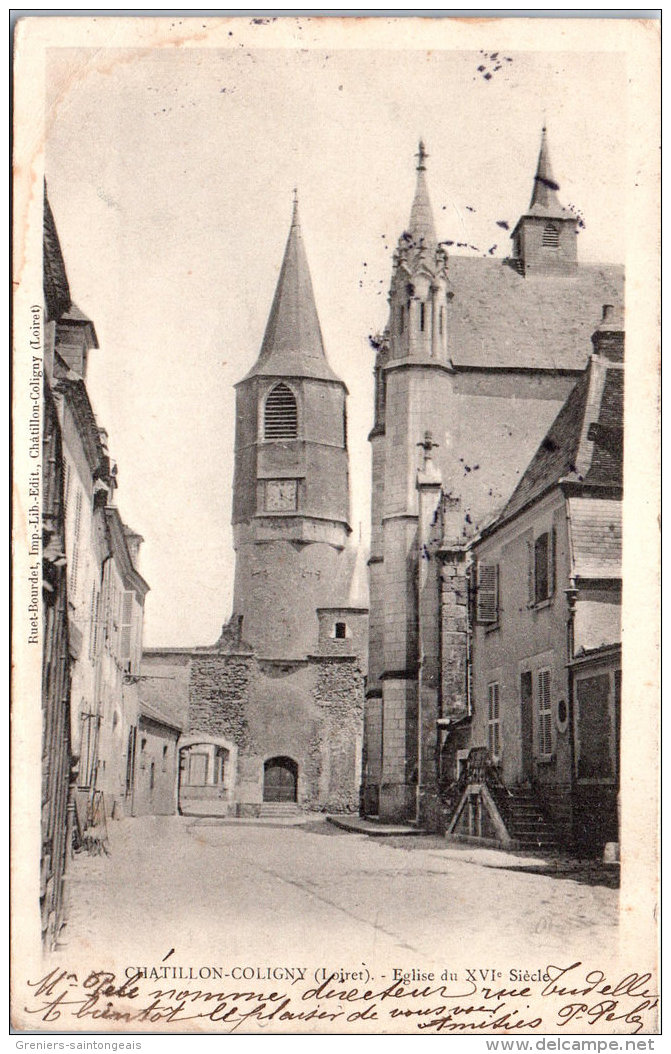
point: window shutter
(137, 641)
(126, 640)
(552, 560)
(531, 577)
(74, 566)
(487, 593)
(544, 714)
(494, 721)
(95, 617)
(66, 488)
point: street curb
(375, 830)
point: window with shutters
(76, 545)
(542, 567)
(66, 487)
(550, 236)
(281, 414)
(487, 593)
(494, 722)
(126, 635)
(95, 622)
(544, 711)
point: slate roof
(596, 537)
(160, 717)
(500, 318)
(59, 305)
(544, 201)
(584, 442)
(293, 345)
(55, 279)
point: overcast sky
(170, 175)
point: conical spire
(292, 345)
(544, 195)
(421, 225)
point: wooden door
(280, 780)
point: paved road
(239, 893)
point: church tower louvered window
(551, 236)
(281, 414)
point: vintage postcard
(336, 558)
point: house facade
(546, 652)
(94, 597)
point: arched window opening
(422, 315)
(550, 236)
(281, 414)
(402, 320)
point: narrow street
(234, 892)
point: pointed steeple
(421, 225)
(544, 237)
(544, 200)
(292, 344)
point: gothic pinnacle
(421, 226)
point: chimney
(608, 338)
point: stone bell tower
(290, 487)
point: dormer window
(550, 236)
(281, 414)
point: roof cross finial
(294, 217)
(421, 156)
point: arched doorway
(280, 780)
(204, 778)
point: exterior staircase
(528, 827)
(278, 810)
(480, 807)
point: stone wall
(218, 694)
(310, 711)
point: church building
(478, 356)
(274, 709)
